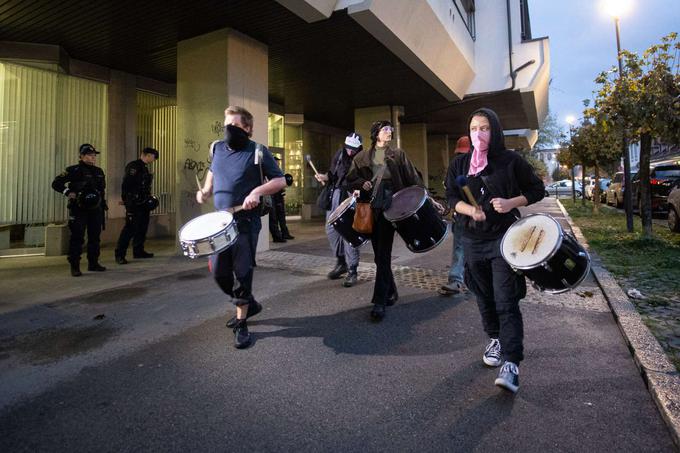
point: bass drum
(341, 220)
(416, 220)
(553, 260)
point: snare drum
(553, 260)
(416, 219)
(208, 234)
(341, 220)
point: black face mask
(236, 137)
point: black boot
(286, 234)
(351, 278)
(120, 257)
(339, 269)
(75, 269)
(95, 267)
(378, 312)
(241, 335)
(142, 254)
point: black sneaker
(121, 260)
(378, 312)
(288, 236)
(75, 271)
(142, 254)
(391, 300)
(492, 353)
(96, 267)
(508, 377)
(241, 335)
(253, 309)
(338, 271)
(350, 279)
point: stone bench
(56, 239)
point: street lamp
(571, 120)
(616, 8)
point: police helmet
(289, 179)
(89, 199)
(151, 203)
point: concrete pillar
(414, 142)
(214, 71)
(438, 161)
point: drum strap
(378, 179)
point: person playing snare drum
(497, 182)
(234, 179)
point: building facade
(126, 75)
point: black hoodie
(507, 175)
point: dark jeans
(381, 240)
(235, 265)
(277, 217)
(79, 221)
(498, 290)
(136, 225)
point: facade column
(214, 71)
(414, 142)
(438, 161)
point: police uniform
(86, 211)
(136, 193)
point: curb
(658, 373)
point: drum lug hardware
(211, 241)
(416, 242)
(565, 283)
(582, 254)
(547, 267)
(432, 240)
(537, 287)
(415, 217)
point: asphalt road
(158, 373)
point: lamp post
(571, 120)
(616, 8)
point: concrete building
(126, 75)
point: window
(524, 18)
(466, 11)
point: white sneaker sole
(491, 363)
(506, 385)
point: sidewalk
(158, 371)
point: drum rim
(179, 233)
(577, 283)
(549, 256)
(446, 234)
(210, 238)
(420, 205)
(330, 217)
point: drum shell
(216, 243)
(423, 230)
(564, 270)
(341, 220)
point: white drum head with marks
(531, 241)
(205, 226)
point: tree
(643, 103)
(537, 164)
(549, 133)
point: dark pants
(277, 217)
(136, 225)
(381, 240)
(233, 268)
(79, 221)
(498, 290)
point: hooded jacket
(507, 175)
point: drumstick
(309, 159)
(198, 183)
(462, 183)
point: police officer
(136, 193)
(277, 216)
(84, 184)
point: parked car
(674, 208)
(590, 187)
(615, 190)
(562, 189)
(661, 180)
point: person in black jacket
(136, 194)
(84, 184)
(500, 181)
(336, 177)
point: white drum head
(205, 226)
(342, 207)
(531, 241)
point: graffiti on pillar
(196, 166)
(191, 145)
(217, 128)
